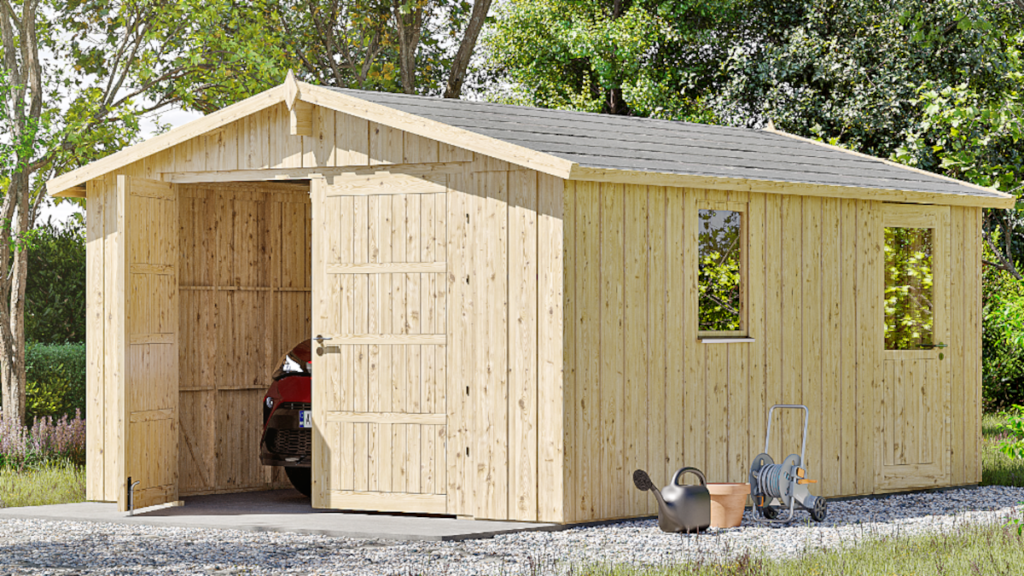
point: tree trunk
(21, 62)
(457, 74)
(12, 330)
(410, 25)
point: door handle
(321, 349)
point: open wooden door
(379, 372)
(912, 405)
(148, 382)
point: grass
(996, 467)
(969, 550)
(55, 483)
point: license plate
(305, 418)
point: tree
(843, 72)
(55, 287)
(966, 134)
(643, 57)
(847, 72)
(76, 76)
(411, 46)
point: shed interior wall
(647, 394)
(244, 301)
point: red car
(288, 419)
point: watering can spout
(643, 482)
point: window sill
(737, 340)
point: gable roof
(598, 147)
(625, 143)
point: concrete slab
(280, 511)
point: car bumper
(284, 443)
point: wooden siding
(645, 393)
(103, 315)
(244, 284)
(505, 406)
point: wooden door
(912, 404)
(379, 377)
(148, 386)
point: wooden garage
(518, 307)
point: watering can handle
(696, 472)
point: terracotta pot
(727, 502)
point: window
(721, 270)
(909, 289)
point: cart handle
(803, 441)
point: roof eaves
(590, 174)
(1008, 201)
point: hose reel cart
(776, 487)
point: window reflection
(719, 270)
(909, 309)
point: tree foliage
(55, 291)
(644, 57)
(76, 79)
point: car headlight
(270, 402)
(289, 366)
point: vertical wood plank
(386, 144)
(635, 437)
(522, 344)
(323, 150)
(551, 342)
(813, 323)
(756, 294)
(775, 373)
(352, 140)
(611, 355)
(869, 343)
(832, 344)
(658, 410)
(96, 415)
(683, 217)
(572, 449)
(588, 321)
(792, 306)
(848, 394)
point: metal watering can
(680, 508)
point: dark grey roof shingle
(649, 145)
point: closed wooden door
(379, 373)
(912, 404)
(148, 386)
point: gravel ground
(36, 546)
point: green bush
(55, 287)
(1002, 341)
(55, 375)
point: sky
(176, 117)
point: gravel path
(36, 546)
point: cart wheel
(769, 512)
(820, 510)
